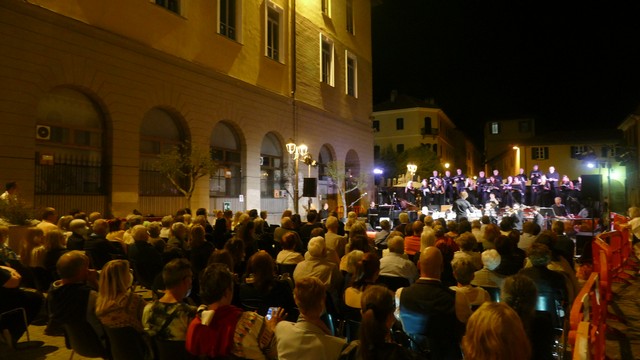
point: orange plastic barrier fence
(587, 319)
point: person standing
(520, 184)
(437, 188)
(536, 177)
(482, 187)
(459, 181)
(461, 206)
(552, 179)
(447, 183)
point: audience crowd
(320, 289)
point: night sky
(567, 65)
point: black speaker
(310, 187)
(592, 187)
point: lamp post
(297, 152)
(412, 168)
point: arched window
(159, 133)
(225, 149)
(324, 158)
(69, 145)
(270, 166)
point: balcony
(429, 131)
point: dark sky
(567, 65)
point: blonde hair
(115, 280)
(495, 332)
(310, 294)
(32, 241)
(634, 212)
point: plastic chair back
(83, 340)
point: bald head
(430, 263)
(73, 266)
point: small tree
(184, 165)
(344, 183)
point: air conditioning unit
(43, 132)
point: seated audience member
(403, 217)
(79, 230)
(495, 332)
(366, 274)
(427, 238)
(117, 306)
(521, 294)
(201, 250)
(168, 318)
(166, 223)
(478, 233)
(491, 233)
(487, 277)
(288, 255)
(380, 240)
(262, 285)
(154, 237)
(306, 228)
(178, 242)
(13, 296)
(467, 243)
(223, 330)
(412, 243)
(352, 218)
(335, 241)
(49, 220)
(428, 310)
(64, 223)
(448, 248)
(116, 233)
(463, 270)
(318, 266)
(93, 217)
(32, 252)
(72, 299)
(145, 259)
(6, 253)
(98, 248)
(530, 231)
(246, 233)
(132, 220)
(54, 248)
(287, 226)
(512, 258)
(395, 264)
(235, 247)
(309, 337)
(559, 264)
(550, 284)
(563, 246)
(375, 342)
(356, 242)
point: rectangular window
(350, 28)
(540, 153)
(495, 128)
(171, 5)
(578, 152)
(326, 60)
(400, 124)
(399, 148)
(274, 33)
(227, 17)
(352, 75)
(524, 126)
(376, 125)
(376, 152)
(326, 7)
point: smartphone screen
(270, 312)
